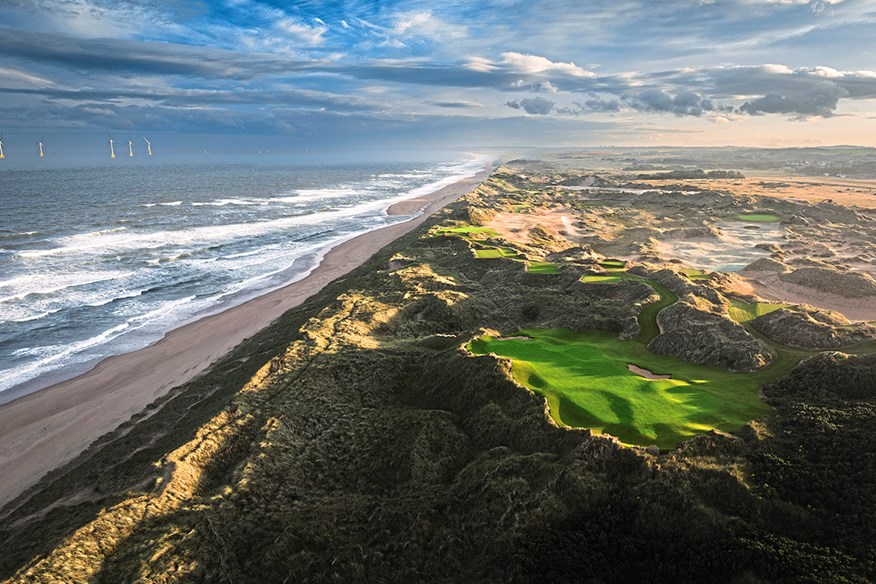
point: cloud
(820, 100)
(532, 105)
(462, 104)
(424, 24)
(594, 103)
(12, 78)
(118, 55)
(535, 65)
(684, 103)
(545, 86)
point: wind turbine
(130, 148)
(1, 146)
(42, 154)
(148, 147)
(112, 148)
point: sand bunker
(645, 373)
(731, 251)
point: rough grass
(759, 217)
(585, 379)
(743, 312)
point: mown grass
(542, 268)
(648, 315)
(743, 312)
(759, 217)
(613, 264)
(695, 274)
(585, 379)
(467, 230)
(603, 278)
(496, 252)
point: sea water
(100, 261)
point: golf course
(587, 383)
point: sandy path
(43, 430)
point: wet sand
(45, 429)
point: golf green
(587, 383)
(759, 218)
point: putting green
(603, 278)
(613, 264)
(586, 382)
(542, 268)
(759, 218)
(496, 252)
(743, 312)
(695, 274)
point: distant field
(759, 218)
(585, 378)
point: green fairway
(743, 312)
(585, 378)
(613, 264)
(602, 278)
(542, 268)
(695, 274)
(496, 252)
(648, 315)
(467, 230)
(759, 218)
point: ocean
(105, 260)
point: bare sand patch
(855, 192)
(646, 373)
(770, 287)
(734, 248)
(515, 227)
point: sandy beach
(42, 430)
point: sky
(451, 74)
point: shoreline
(42, 430)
